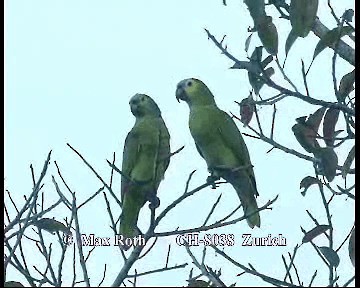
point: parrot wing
(130, 155)
(243, 180)
(140, 165)
(198, 149)
(230, 134)
(163, 158)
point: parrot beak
(134, 106)
(180, 93)
(133, 109)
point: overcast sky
(70, 70)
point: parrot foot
(124, 247)
(154, 202)
(211, 180)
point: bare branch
(266, 278)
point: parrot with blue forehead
(146, 157)
(219, 142)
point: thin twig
(304, 78)
(297, 275)
(112, 171)
(188, 181)
(91, 197)
(89, 253)
(230, 214)
(273, 123)
(102, 280)
(62, 178)
(347, 237)
(36, 189)
(291, 263)
(258, 121)
(167, 257)
(32, 174)
(147, 251)
(78, 242)
(204, 270)
(212, 210)
(312, 278)
(97, 175)
(158, 270)
(349, 281)
(326, 206)
(171, 154)
(266, 278)
(284, 74)
(216, 224)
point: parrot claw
(211, 180)
(124, 247)
(154, 202)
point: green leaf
(352, 247)
(327, 162)
(318, 230)
(302, 16)
(13, 284)
(268, 34)
(330, 120)
(314, 119)
(254, 71)
(257, 54)
(256, 8)
(51, 225)
(306, 131)
(348, 15)
(330, 255)
(247, 42)
(266, 61)
(330, 38)
(307, 182)
(304, 136)
(198, 283)
(290, 41)
(250, 66)
(256, 82)
(347, 164)
(269, 72)
(247, 109)
(346, 85)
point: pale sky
(70, 70)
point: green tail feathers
(249, 204)
(246, 189)
(132, 204)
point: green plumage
(145, 160)
(220, 143)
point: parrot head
(194, 91)
(141, 105)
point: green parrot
(146, 157)
(220, 143)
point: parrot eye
(189, 83)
